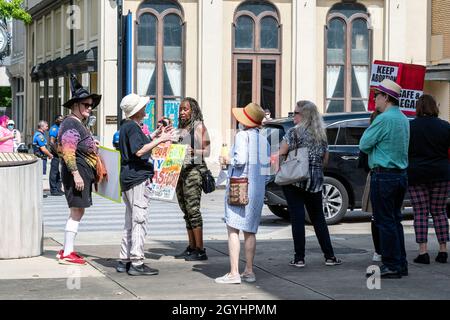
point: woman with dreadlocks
(194, 134)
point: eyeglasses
(296, 113)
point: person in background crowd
(309, 131)
(366, 204)
(249, 159)
(193, 133)
(40, 145)
(267, 115)
(78, 152)
(6, 136)
(17, 136)
(386, 142)
(55, 175)
(135, 177)
(116, 136)
(428, 176)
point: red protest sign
(410, 77)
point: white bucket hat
(11, 122)
(132, 103)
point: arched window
(348, 57)
(159, 52)
(256, 55)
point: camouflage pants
(189, 193)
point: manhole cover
(8, 159)
(341, 251)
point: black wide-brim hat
(79, 94)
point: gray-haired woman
(309, 131)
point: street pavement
(99, 241)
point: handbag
(208, 182)
(100, 171)
(238, 193)
(238, 189)
(296, 166)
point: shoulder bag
(296, 166)
(238, 188)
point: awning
(440, 72)
(82, 62)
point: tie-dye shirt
(76, 146)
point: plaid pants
(430, 198)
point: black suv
(344, 180)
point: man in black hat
(78, 152)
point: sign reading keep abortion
(410, 77)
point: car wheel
(280, 211)
(334, 200)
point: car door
(344, 154)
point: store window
(257, 55)
(348, 55)
(160, 55)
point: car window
(332, 133)
(274, 136)
(352, 131)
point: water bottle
(224, 153)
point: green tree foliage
(5, 97)
(14, 10)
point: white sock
(69, 236)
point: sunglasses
(296, 112)
(87, 105)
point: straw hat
(132, 103)
(390, 88)
(251, 116)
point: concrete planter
(21, 227)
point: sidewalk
(43, 278)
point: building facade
(227, 53)
(438, 70)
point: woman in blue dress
(249, 158)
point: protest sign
(149, 119)
(110, 188)
(410, 77)
(171, 111)
(168, 161)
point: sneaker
(73, 258)
(297, 263)
(197, 255)
(248, 277)
(60, 254)
(333, 262)
(442, 257)
(123, 267)
(57, 193)
(229, 279)
(423, 259)
(187, 252)
(376, 257)
(142, 270)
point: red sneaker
(73, 258)
(60, 254)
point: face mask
(10, 127)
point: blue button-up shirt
(54, 131)
(386, 141)
(39, 141)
